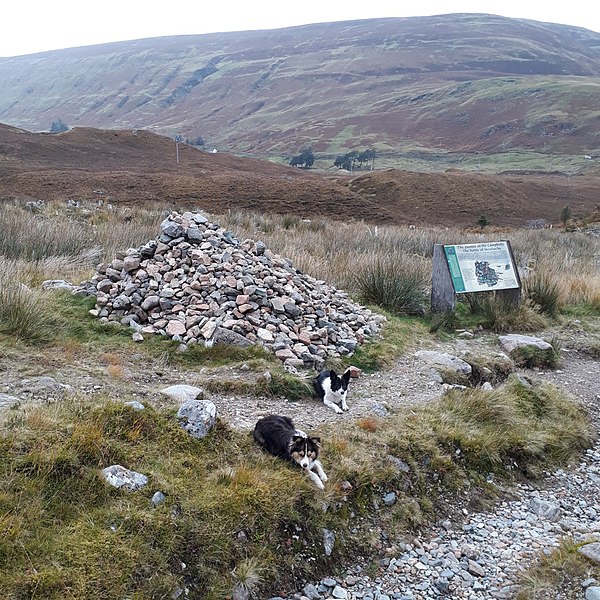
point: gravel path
(483, 556)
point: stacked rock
(197, 283)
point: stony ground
(475, 556)
(482, 555)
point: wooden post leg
(443, 298)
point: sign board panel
(484, 267)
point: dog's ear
(297, 438)
(346, 377)
(316, 440)
(333, 375)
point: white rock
(444, 360)
(135, 405)
(198, 417)
(182, 392)
(120, 477)
(513, 341)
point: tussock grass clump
(398, 286)
(544, 291)
(516, 425)
(233, 513)
(503, 316)
(447, 321)
(558, 574)
(25, 314)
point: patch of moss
(531, 357)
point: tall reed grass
(83, 235)
(24, 313)
(336, 252)
(551, 262)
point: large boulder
(514, 341)
(444, 361)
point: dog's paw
(319, 484)
(338, 410)
(345, 408)
(323, 477)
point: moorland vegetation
(236, 521)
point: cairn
(198, 284)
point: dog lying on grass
(278, 436)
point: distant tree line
(355, 159)
(197, 141)
(305, 159)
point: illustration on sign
(481, 267)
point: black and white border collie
(278, 436)
(332, 389)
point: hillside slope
(138, 167)
(470, 82)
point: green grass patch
(78, 325)
(397, 335)
(26, 314)
(584, 310)
(235, 516)
(277, 383)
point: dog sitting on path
(278, 436)
(333, 389)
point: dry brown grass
(370, 424)
(116, 371)
(67, 243)
(335, 251)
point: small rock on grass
(182, 392)
(120, 477)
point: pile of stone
(197, 283)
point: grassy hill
(127, 168)
(452, 83)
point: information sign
(484, 267)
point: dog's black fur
(333, 389)
(278, 436)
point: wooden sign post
(443, 297)
(472, 268)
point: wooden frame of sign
(473, 268)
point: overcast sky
(37, 25)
